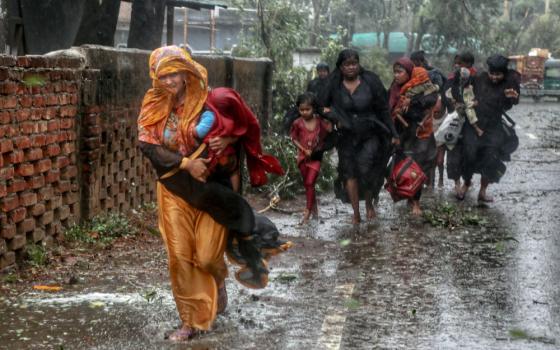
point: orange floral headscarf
(157, 103)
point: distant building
(227, 24)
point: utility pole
(546, 7)
(185, 26)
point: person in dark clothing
(454, 160)
(412, 98)
(496, 91)
(318, 85)
(436, 76)
(356, 101)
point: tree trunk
(99, 23)
(507, 10)
(146, 24)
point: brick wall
(39, 177)
(68, 137)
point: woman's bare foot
(370, 213)
(440, 182)
(183, 334)
(416, 210)
(305, 219)
(356, 219)
(222, 299)
(484, 198)
(462, 192)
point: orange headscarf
(157, 103)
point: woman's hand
(219, 144)
(307, 153)
(511, 93)
(395, 141)
(405, 103)
(196, 167)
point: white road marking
(333, 324)
(531, 136)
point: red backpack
(405, 178)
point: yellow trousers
(195, 245)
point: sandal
(183, 334)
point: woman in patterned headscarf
(411, 99)
(191, 143)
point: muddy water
(397, 283)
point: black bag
(511, 141)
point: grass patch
(446, 215)
(101, 229)
(37, 255)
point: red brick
(55, 202)
(68, 148)
(92, 142)
(62, 136)
(38, 140)
(71, 197)
(74, 99)
(4, 72)
(5, 117)
(68, 111)
(8, 88)
(38, 209)
(36, 182)
(39, 101)
(9, 203)
(22, 142)
(8, 231)
(7, 259)
(7, 61)
(52, 150)
(16, 156)
(45, 194)
(26, 225)
(52, 176)
(42, 126)
(27, 199)
(53, 125)
(18, 242)
(69, 172)
(52, 100)
(47, 218)
(17, 185)
(71, 135)
(6, 146)
(57, 86)
(28, 128)
(18, 214)
(8, 102)
(33, 154)
(63, 186)
(62, 162)
(23, 114)
(23, 61)
(7, 173)
(25, 169)
(3, 190)
(7, 131)
(50, 113)
(63, 212)
(37, 113)
(26, 101)
(43, 166)
(67, 123)
(52, 138)
(37, 235)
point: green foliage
(450, 216)
(101, 229)
(37, 255)
(288, 185)
(375, 60)
(332, 45)
(286, 86)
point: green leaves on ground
(101, 229)
(450, 216)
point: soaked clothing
(417, 139)
(364, 130)
(309, 168)
(483, 155)
(317, 86)
(198, 220)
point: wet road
(397, 283)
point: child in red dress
(308, 132)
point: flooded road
(487, 282)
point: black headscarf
(497, 63)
